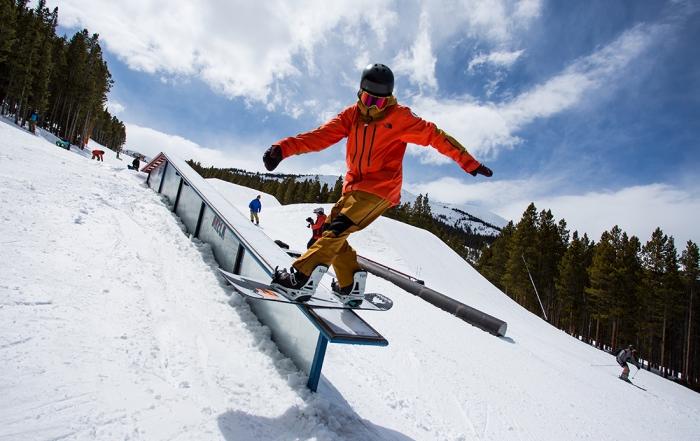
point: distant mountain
(463, 217)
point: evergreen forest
(66, 81)
(610, 294)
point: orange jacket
(317, 227)
(375, 149)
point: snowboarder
(316, 226)
(135, 164)
(32, 120)
(99, 154)
(377, 129)
(623, 357)
(255, 208)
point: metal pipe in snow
(474, 317)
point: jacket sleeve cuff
(470, 166)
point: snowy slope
(114, 325)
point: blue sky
(588, 108)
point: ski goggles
(371, 100)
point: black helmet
(631, 348)
(377, 80)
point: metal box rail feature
(301, 333)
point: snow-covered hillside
(115, 325)
(465, 217)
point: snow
(115, 325)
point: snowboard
(323, 298)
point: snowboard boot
(351, 295)
(296, 285)
(624, 377)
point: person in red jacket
(377, 129)
(99, 154)
(316, 226)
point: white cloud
(638, 210)
(526, 10)
(114, 108)
(480, 128)
(247, 49)
(494, 21)
(237, 154)
(476, 191)
(498, 59)
(240, 48)
(486, 128)
(150, 142)
(419, 65)
(335, 168)
(589, 73)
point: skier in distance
(623, 357)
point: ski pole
(635, 374)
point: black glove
(482, 170)
(272, 157)
(309, 220)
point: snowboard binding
(354, 294)
(297, 286)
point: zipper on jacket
(359, 162)
(371, 144)
(357, 128)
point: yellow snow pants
(353, 212)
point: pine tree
(65, 81)
(661, 289)
(690, 260)
(301, 192)
(523, 245)
(613, 282)
(552, 241)
(323, 195)
(572, 283)
(290, 191)
(421, 215)
(337, 191)
(8, 21)
(494, 257)
(282, 190)
(271, 186)
(313, 193)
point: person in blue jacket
(32, 121)
(255, 208)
